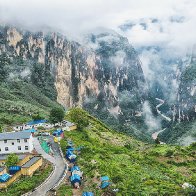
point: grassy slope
(135, 168)
(19, 100)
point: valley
(121, 114)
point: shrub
(169, 153)
(78, 116)
(12, 159)
(56, 115)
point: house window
(19, 147)
(18, 140)
(5, 141)
(6, 148)
(25, 140)
(0, 149)
(12, 143)
(26, 148)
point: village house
(27, 168)
(32, 124)
(16, 142)
(68, 126)
(23, 158)
(65, 125)
(31, 166)
(2, 170)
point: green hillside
(26, 88)
(181, 133)
(19, 100)
(135, 168)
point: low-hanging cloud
(155, 22)
(151, 121)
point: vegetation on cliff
(23, 93)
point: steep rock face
(187, 92)
(119, 69)
(105, 76)
(182, 129)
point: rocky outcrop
(103, 75)
(187, 93)
(96, 75)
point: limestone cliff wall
(82, 74)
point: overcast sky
(175, 26)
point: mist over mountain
(166, 64)
(132, 64)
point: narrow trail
(155, 134)
(159, 112)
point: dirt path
(159, 112)
(155, 135)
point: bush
(56, 115)
(78, 116)
(169, 153)
(37, 116)
(1, 129)
(63, 145)
(12, 159)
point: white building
(66, 125)
(32, 125)
(16, 142)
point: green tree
(12, 159)
(157, 141)
(38, 74)
(56, 115)
(79, 116)
(37, 116)
(4, 62)
(1, 129)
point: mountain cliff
(182, 129)
(104, 75)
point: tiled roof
(20, 156)
(29, 130)
(31, 162)
(14, 135)
(2, 168)
(35, 122)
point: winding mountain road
(159, 112)
(60, 168)
(155, 134)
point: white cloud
(76, 17)
(174, 29)
(151, 121)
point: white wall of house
(45, 125)
(25, 127)
(16, 146)
(65, 128)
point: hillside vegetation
(25, 88)
(134, 167)
(19, 100)
(178, 132)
